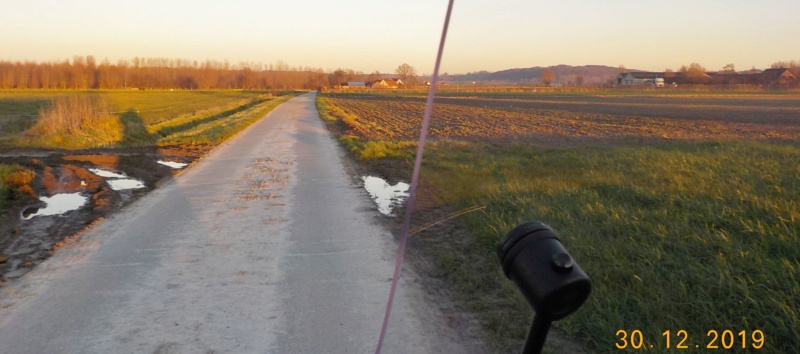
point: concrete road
(264, 246)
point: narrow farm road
(264, 246)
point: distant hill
(565, 74)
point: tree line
(85, 73)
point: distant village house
(374, 84)
(641, 78)
(385, 84)
(353, 85)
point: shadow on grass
(134, 131)
(17, 116)
(166, 131)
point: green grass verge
(147, 117)
(695, 237)
(221, 126)
(340, 120)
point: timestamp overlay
(736, 340)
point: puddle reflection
(56, 205)
(106, 174)
(118, 182)
(125, 183)
(384, 194)
(175, 165)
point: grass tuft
(77, 119)
(14, 182)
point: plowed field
(590, 117)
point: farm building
(638, 78)
(780, 77)
(353, 85)
(735, 78)
(385, 84)
(769, 77)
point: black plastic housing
(534, 259)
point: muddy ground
(26, 240)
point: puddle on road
(175, 165)
(56, 205)
(116, 181)
(385, 195)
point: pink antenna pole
(423, 135)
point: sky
(379, 35)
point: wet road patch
(386, 196)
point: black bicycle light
(555, 286)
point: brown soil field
(571, 119)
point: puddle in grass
(116, 181)
(56, 205)
(385, 195)
(175, 165)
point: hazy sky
(369, 35)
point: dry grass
(14, 180)
(78, 117)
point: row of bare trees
(85, 73)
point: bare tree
(337, 77)
(407, 73)
(696, 71)
(547, 76)
(729, 69)
(375, 75)
(791, 64)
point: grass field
(685, 212)
(146, 117)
